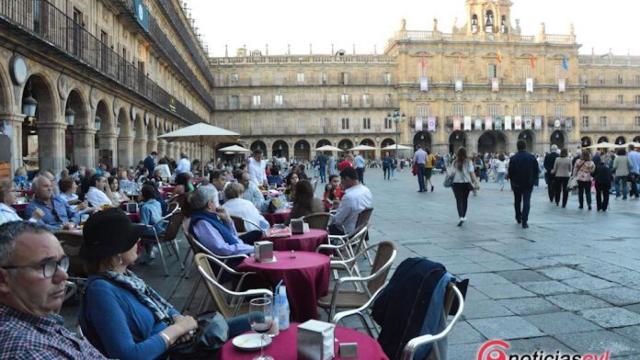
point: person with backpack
(602, 176)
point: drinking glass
(261, 319)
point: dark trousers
(633, 183)
(550, 180)
(560, 184)
(602, 196)
(387, 172)
(421, 177)
(251, 236)
(360, 172)
(522, 203)
(584, 189)
(336, 230)
(323, 174)
(461, 192)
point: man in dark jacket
(549, 160)
(523, 172)
(150, 163)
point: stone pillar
(162, 148)
(139, 149)
(13, 129)
(84, 147)
(51, 146)
(108, 142)
(125, 151)
(152, 145)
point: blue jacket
(151, 214)
(523, 170)
(150, 164)
(63, 213)
(118, 324)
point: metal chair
(319, 220)
(386, 253)
(241, 224)
(170, 236)
(229, 302)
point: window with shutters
(278, 100)
(492, 71)
(366, 123)
(345, 123)
(300, 78)
(256, 100)
(637, 120)
(344, 78)
(388, 123)
(585, 99)
(585, 121)
(234, 102)
(603, 121)
(458, 109)
(387, 78)
(366, 100)
(620, 99)
(345, 100)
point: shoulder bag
(573, 180)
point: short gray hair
(200, 198)
(10, 231)
(35, 184)
(233, 190)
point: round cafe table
(308, 241)
(285, 347)
(278, 217)
(306, 277)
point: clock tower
(489, 16)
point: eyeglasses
(49, 267)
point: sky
(601, 25)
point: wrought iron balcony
(41, 20)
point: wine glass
(261, 319)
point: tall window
(234, 78)
(278, 99)
(388, 99)
(324, 79)
(603, 121)
(620, 79)
(528, 111)
(585, 121)
(637, 80)
(366, 123)
(344, 78)
(345, 100)
(526, 72)
(559, 110)
(585, 99)
(458, 110)
(457, 71)
(637, 120)
(104, 50)
(388, 123)
(601, 79)
(620, 99)
(493, 110)
(386, 78)
(345, 123)
(256, 100)
(422, 111)
(366, 100)
(492, 71)
(300, 78)
(234, 102)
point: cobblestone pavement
(571, 282)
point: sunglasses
(49, 267)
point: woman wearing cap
(121, 315)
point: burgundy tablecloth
(302, 242)
(306, 277)
(134, 217)
(165, 191)
(284, 346)
(20, 208)
(277, 217)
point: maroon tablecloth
(301, 242)
(20, 208)
(278, 217)
(167, 190)
(284, 346)
(306, 277)
(134, 217)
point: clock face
(19, 70)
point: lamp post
(396, 116)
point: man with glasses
(57, 212)
(33, 277)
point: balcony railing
(42, 20)
(610, 105)
(302, 59)
(250, 129)
(247, 104)
(291, 81)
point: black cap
(108, 233)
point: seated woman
(183, 184)
(213, 227)
(7, 198)
(305, 203)
(99, 194)
(117, 193)
(20, 177)
(290, 182)
(237, 206)
(68, 190)
(333, 193)
(120, 314)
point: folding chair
(319, 220)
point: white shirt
(97, 198)
(244, 209)
(256, 170)
(184, 166)
(8, 214)
(164, 171)
(501, 166)
(355, 200)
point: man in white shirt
(184, 165)
(359, 163)
(252, 193)
(239, 207)
(357, 198)
(97, 195)
(256, 167)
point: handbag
(448, 180)
(212, 333)
(573, 180)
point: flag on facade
(499, 57)
(538, 123)
(529, 85)
(527, 122)
(467, 123)
(478, 124)
(418, 124)
(517, 123)
(456, 123)
(533, 59)
(565, 63)
(431, 124)
(424, 83)
(488, 123)
(507, 122)
(562, 85)
(458, 85)
(495, 85)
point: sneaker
(153, 254)
(431, 188)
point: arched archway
(620, 140)
(258, 144)
(529, 138)
(558, 138)
(124, 132)
(140, 138)
(386, 142)
(105, 140)
(280, 149)
(42, 134)
(603, 139)
(422, 138)
(323, 142)
(302, 150)
(152, 135)
(492, 142)
(79, 138)
(585, 141)
(368, 154)
(636, 139)
(345, 144)
(457, 139)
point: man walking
(150, 162)
(322, 164)
(634, 170)
(428, 169)
(359, 164)
(523, 172)
(420, 158)
(549, 178)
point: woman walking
(621, 170)
(501, 170)
(602, 177)
(583, 169)
(464, 180)
(562, 172)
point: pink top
(583, 170)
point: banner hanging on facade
(488, 123)
(538, 123)
(507, 122)
(562, 85)
(431, 123)
(458, 85)
(418, 124)
(557, 124)
(498, 123)
(424, 83)
(528, 123)
(478, 124)
(456, 123)
(529, 85)
(495, 85)
(467, 123)
(517, 123)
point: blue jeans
(323, 174)
(623, 180)
(421, 177)
(392, 171)
(500, 179)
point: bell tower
(489, 16)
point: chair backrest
(216, 290)
(318, 220)
(364, 217)
(239, 223)
(385, 255)
(175, 223)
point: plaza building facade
(87, 81)
(483, 85)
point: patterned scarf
(145, 294)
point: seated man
(357, 197)
(239, 207)
(252, 193)
(218, 178)
(213, 227)
(57, 212)
(32, 287)
(99, 193)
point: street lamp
(396, 116)
(29, 106)
(69, 116)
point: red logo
(493, 350)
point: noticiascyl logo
(493, 350)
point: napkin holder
(297, 226)
(264, 251)
(316, 340)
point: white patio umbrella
(328, 148)
(202, 134)
(603, 145)
(235, 149)
(400, 147)
(363, 148)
